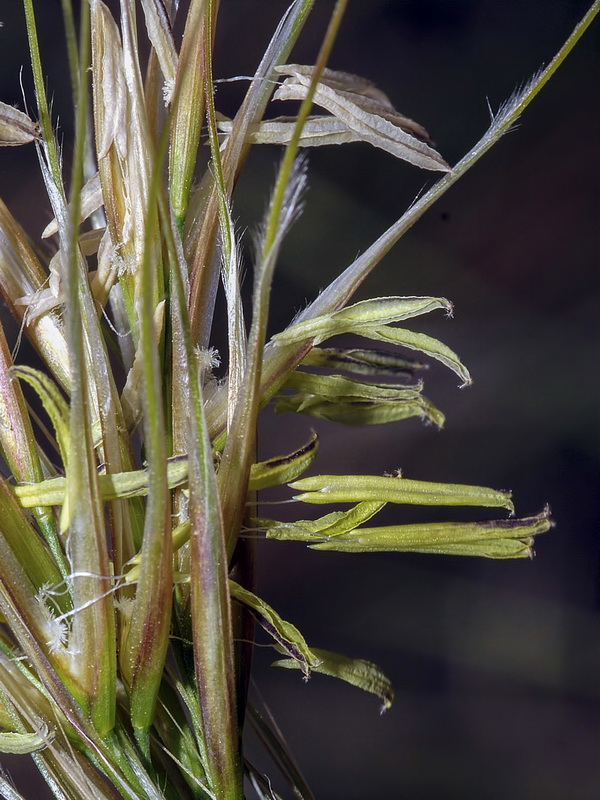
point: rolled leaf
(370, 318)
(352, 488)
(357, 412)
(113, 486)
(504, 538)
(353, 402)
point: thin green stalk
(73, 60)
(40, 92)
(71, 41)
(291, 150)
(74, 319)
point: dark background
(495, 664)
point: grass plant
(128, 531)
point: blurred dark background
(496, 664)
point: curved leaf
(364, 314)
(287, 636)
(424, 344)
(54, 403)
(22, 743)
(335, 524)
(282, 469)
(360, 673)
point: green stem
(291, 150)
(40, 91)
(71, 39)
